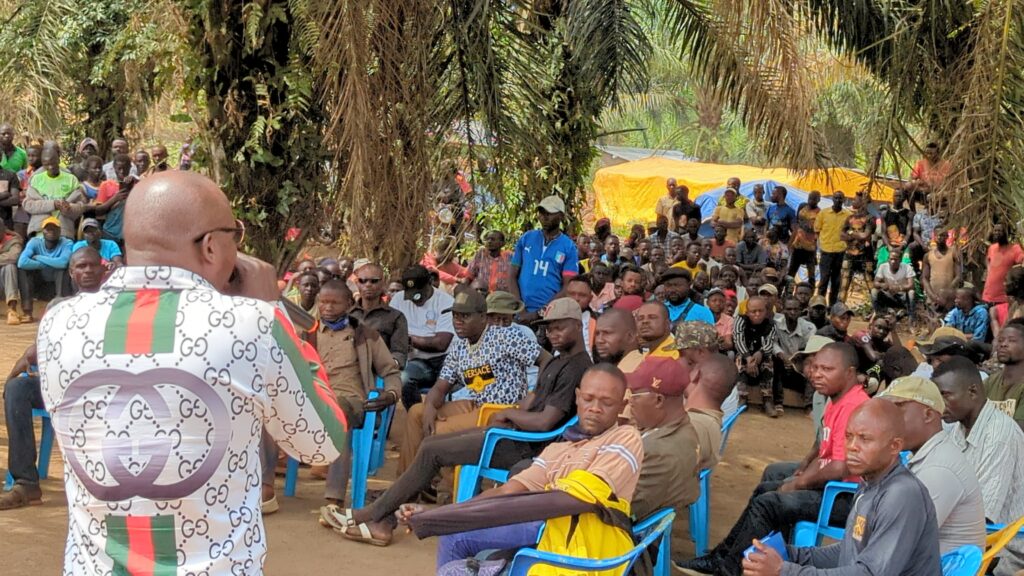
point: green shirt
(1009, 399)
(18, 160)
(54, 188)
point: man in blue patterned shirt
(968, 316)
(485, 365)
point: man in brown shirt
(10, 248)
(713, 380)
(354, 355)
(374, 312)
(669, 474)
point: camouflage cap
(694, 334)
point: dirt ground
(32, 539)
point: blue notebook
(772, 540)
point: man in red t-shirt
(790, 492)
(1002, 255)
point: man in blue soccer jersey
(544, 259)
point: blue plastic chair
(470, 475)
(700, 511)
(45, 448)
(656, 528)
(368, 443)
(811, 533)
(807, 534)
(963, 561)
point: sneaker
(12, 318)
(269, 503)
(769, 408)
(25, 318)
(779, 411)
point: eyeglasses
(369, 280)
(238, 231)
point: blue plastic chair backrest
(963, 561)
(526, 558)
(828, 500)
(727, 427)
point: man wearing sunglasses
(162, 385)
(373, 311)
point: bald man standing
(160, 387)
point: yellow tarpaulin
(628, 192)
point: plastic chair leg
(291, 477)
(360, 466)
(45, 444)
(45, 449)
(465, 486)
(805, 534)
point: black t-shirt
(830, 331)
(898, 218)
(688, 209)
(556, 385)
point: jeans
(30, 283)
(439, 451)
(831, 272)
(770, 510)
(21, 395)
(468, 544)
(419, 373)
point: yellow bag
(587, 535)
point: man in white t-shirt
(894, 285)
(430, 331)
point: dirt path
(32, 539)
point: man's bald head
(181, 219)
(614, 336)
(874, 438)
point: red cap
(629, 303)
(660, 375)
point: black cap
(415, 281)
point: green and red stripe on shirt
(142, 322)
(142, 545)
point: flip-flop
(18, 497)
(364, 535)
(336, 517)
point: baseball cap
(359, 264)
(840, 309)
(415, 280)
(941, 331)
(770, 272)
(468, 301)
(769, 288)
(501, 302)
(629, 303)
(714, 291)
(818, 301)
(51, 220)
(660, 375)
(918, 389)
(951, 345)
(90, 222)
(552, 204)
(561, 309)
(814, 344)
(693, 334)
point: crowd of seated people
(645, 343)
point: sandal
(364, 535)
(19, 497)
(336, 517)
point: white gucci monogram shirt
(160, 388)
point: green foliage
(263, 124)
(84, 68)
